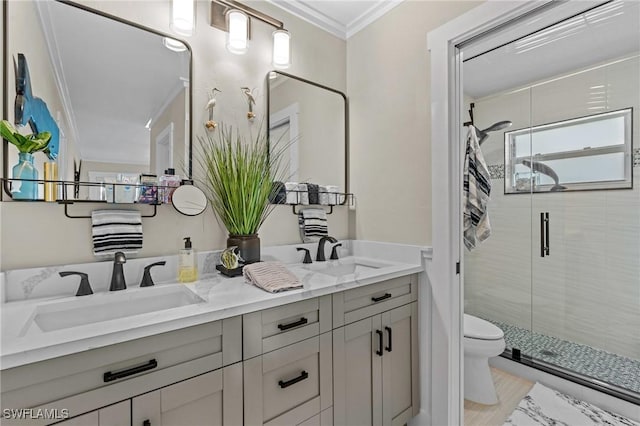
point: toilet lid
(477, 328)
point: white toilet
(482, 340)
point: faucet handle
(85, 288)
(147, 281)
(307, 255)
(334, 252)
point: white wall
(588, 290)
(390, 107)
(40, 234)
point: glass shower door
(586, 230)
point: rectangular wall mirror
(92, 70)
(311, 120)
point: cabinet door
(400, 375)
(212, 399)
(114, 415)
(357, 375)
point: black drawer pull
(301, 377)
(146, 423)
(381, 298)
(301, 321)
(379, 351)
(110, 377)
(389, 348)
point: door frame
(447, 305)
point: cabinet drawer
(294, 382)
(275, 328)
(362, 302)
(38, 383)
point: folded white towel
(313, 224)
(303, 194)
(333, 191)
(273, 277)
(323, 195)
(116, 230)
(291, 189)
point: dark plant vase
(249, 246)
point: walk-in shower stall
(560, 272)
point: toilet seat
(477, 328)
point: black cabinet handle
(110, 377)
(146, 423)
(542, 250)
(301, 321)
(546, 232)
(381, 298)
(301, 377)
(390, 347)
(379, 351)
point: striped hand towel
(116, 230)
(273, 277)
(313, 224)
(476, 191)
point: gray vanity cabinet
(213, 399)
(290, 386)
(375, 374)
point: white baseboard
(599, 399)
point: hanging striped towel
(116, 230)
(476, 191)
(313, 224)
(273, 277)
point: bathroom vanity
(342, 350)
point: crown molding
(371, 15)
(307, 13)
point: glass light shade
(173, 44)
(281, 49)
(183, 17)
(238, 23)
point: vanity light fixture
(235, 18)
(183, 17)
(281, 49)
(238, 34)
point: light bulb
(238, 23)
(183, 17)
(281, 49)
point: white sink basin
(81, 310)
(346, 266)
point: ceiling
(341, 18)
(601, 34)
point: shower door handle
(544, 234)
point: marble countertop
(23, 342)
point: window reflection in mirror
(94, 73)
(310, 120)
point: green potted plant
(239, 178)
(25, 172)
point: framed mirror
(92, 70)
(312, 121)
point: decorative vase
(25, 169)
(249, 246)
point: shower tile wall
(588, 290)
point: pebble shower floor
(601, 365)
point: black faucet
(320, 254)
(117, 277)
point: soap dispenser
(187, 263)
